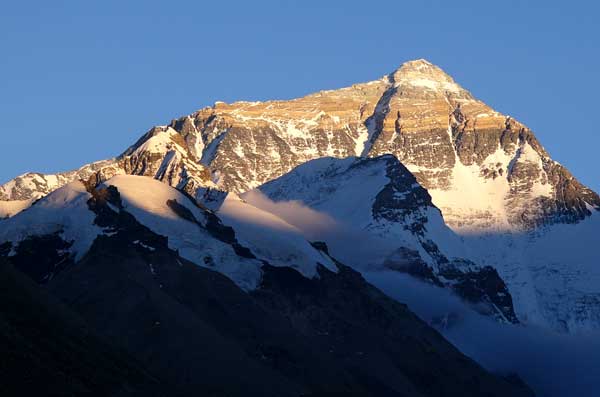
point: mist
(552, 364)
(347, 242)
(312, 223)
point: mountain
(511, 205)
(456, 146)
(163, 279)
(225, 251)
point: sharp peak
(420, 62)
(420, 68)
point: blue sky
(81, 80)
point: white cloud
(312, 223)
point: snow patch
(146, 199)
(270, 237)
(432, 85)
(13, 207)
(63, 211)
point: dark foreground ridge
(197, 333)
(49, 350)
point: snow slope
(266, 236)
(271, 238)
(13, 207)
(64, 211)
(344, 193)
(473, 202)
(170, 213)
(146, 199)
(553, 273)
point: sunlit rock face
(486, 171)
(161, 154)
(33, 185)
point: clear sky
(82, 80)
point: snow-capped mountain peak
(421, 75)
(491, 179)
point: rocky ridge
(161, 154)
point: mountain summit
(421, 74)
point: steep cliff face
(483, 169)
